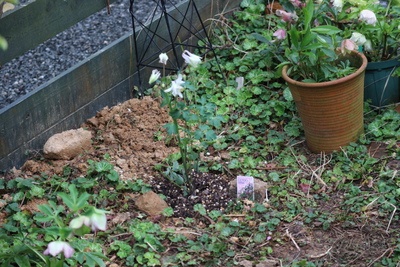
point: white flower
(368, 46)
(176, 87)
(56, 247)
(338, 4)
(163, 58)
(155, 74)
(98, 220)
(368, 16)
(77, 222)
(358, 38)
(191, 59)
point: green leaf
(22, 260)
(200, 209)
(308, 39)
(326, 29)
(294, 36)
(260, 38)
(113, 176)
(308, 14)
(210, 135)
(82, 200)
(171, 128)
(103, 166)
(46, 209)
(260, 237)
(67, 200)
(227, 231)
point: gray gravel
(25, 73)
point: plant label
(245, 187)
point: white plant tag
(245, 187)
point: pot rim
(358, 72)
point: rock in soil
(68, 144)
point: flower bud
(155, 74)
(163, 58)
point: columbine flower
(280, 34)
(163, 58)
(155, 74)
(338, 4)
(286, 16)
(176, 87)
(191, 59)
(56, 247)
(368, 46)
(368, 16)
(348, 46)
(358, 38)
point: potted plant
(374, 27)
(326, 80)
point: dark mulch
(210, 190)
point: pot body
(380, 87)
(331, 112)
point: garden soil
(132, 136)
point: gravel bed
(32, 69)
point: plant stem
(182, 148)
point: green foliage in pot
(310, 43)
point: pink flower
(56, 247)
(298, 4)
(280, 34)
(348, 46)
(368, 17)
(286, 16)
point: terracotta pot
(331, 112)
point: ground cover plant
(338, 209)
